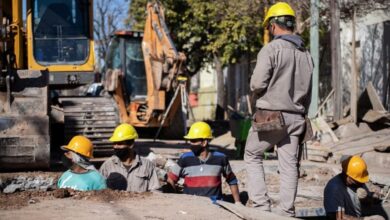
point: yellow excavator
(47, 56)
(144, 72)
(45, 46)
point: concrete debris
(317, 152)
(351, 129)
(23, 183)
(12, 188)
(157, 159)
(161, 174)
(310, 212)
(32, 201)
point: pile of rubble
(368, 137)
(33, 181)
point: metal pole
(354, 87)
(167, 112)
(314, 50)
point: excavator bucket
(24, 122)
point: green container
(240, 129)
(244, 126)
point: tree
(219, 31)
(108, 17)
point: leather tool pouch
(267, 120)
(308, 134)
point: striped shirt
(203, 178)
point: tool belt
(308, 134)
(267, 120)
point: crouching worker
(126, 170)
(346, 195)
(81, 175)
(201, 168)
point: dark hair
(285, 22)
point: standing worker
(126, 170)
(346, 195)
(281, 81)
(202, 169)
(81, 175)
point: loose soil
(20, 199)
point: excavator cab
(61, 31)
(144, 73)
(125, 54)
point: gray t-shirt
(337, 194)
(282, 77)
(140, 177)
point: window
(61, 31)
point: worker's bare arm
(235, 193)
(172, 183)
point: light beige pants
(287, 141)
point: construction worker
(126, 170)
(81, 175)
(281, 82)
(345, 194)
(201, 168)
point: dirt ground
(109, 204)
(20, 199)
(118, 205)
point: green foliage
(227, 29)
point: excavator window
(113, 58)
(125, 53)
(135, 76)
(61, 31)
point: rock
(383, 148)
(377, 159)
(326, 138)
(61, 193)
(169, 164)
(351, 129)
(2, 184)
(380, 178)
(12, 188)
(316, 152)
(31, 201)
(157, 159)
(161, 174)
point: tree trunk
(221, 102)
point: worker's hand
(361, 193)
(374, 217)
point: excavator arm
(162, 60)
(163, 65)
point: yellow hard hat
(199, 130)
(278, 9)
(356, 168)
(81, 145)
(124, 132)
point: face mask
(66, 162)
(122, 153)
(197, 149)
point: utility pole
(336, 59)
(314, 50)
(354, 87)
